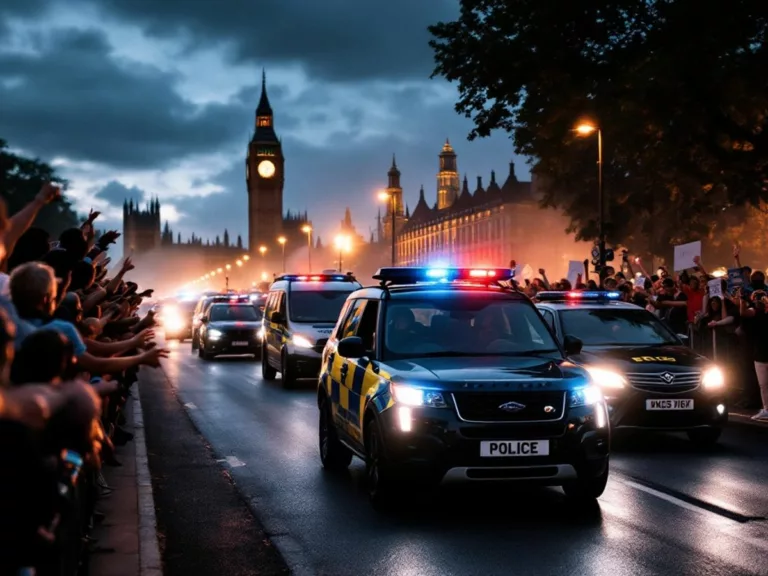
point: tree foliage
(678, 87)
(21, 179)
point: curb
(150, 562)
(745, 420)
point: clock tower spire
(265, 177)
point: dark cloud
(339, 40)
(116, 193)
(73, 98)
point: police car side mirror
(684, 338)
(351, 347)
(572, 345)
(277, 318)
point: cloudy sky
(137, 98)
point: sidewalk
(127, 539)
(743, 418)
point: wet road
(668, 508)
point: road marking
(666, 497)
(232, 461)
(190, 406)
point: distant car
(299, 315)
(650, 378)
(449, 375)
(176, 319)
(230, 327)
(200, 309)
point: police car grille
(656, 383)
(240, 334)
(538, 406)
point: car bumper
(442, 448)
(227, 346)
(305, 362)
(630, 411)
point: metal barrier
(727, 346)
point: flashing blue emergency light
(578, 296)
(414, 275)
(316, 277)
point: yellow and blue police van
(440, 375)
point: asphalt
(668, 508)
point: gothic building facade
(487, 226)
(144, 232)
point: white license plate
(670, 404)
(504, 448)
(239, 343)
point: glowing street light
(307, 229)
(228, 267)
(239, 262)
(219, 270)
(246, 258)
(343, 244)
(386, 197)
(262, 250)
(587, 129)
(282, 240)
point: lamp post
(307, 229)
(384, 197)
(585, 129)
(226, 278)
(282, 240)
(343, 243)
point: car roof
(403, 291)
(588, 305)
(316, 286)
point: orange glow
(383, 196)
(246, 257)
(229, 267)
(219, 270)
(262, 250)
(343, 243)
(239, 262)
(282, 240)
(585, 129)
(306, 229)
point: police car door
(361, 378)
(341, 369)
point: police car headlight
(586, 396)
(214, 334)
(713, 378)
(413, 396)
(260, 333)
(606, 378)
(301, 341)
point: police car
(231, 325)
(299, 315)
(442, 375)
(649, 377)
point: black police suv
(231, 325)
(442, 375)
(649, 377)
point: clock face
(266, 169)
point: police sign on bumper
(502, 448)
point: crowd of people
(730, 327)
(71, 344)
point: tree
(21, 179)
(682, 107)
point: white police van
(299, 316)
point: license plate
(503, 448)
(239, 343)
(670, 404)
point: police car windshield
(615, 327)
(234, 313)
(322, 306)
(464, 325)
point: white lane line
(668, 498)
(232, 461)
(190, 406)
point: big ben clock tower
(265, 176)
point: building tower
(447, 177)
(141, 228)
(265, 177)
(394, 191)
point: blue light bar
(578, 296)
(413, 275)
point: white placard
(684, 255)
(574, 269)
(640, 281)
(715, 288)
(523, 272)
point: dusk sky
(137, 98)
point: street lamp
(343, 244)
(282, 240)
(239, 263)
(384, 197)
(226, 278)
(246, 257)
(307, 229)
(587, 129)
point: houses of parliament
(489, 225)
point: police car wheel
(195, 342)
(379, 478)
(267, 372)
(333, 454)
(587, 488)
(286, 372)
(705, 437)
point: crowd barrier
(726, 346)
